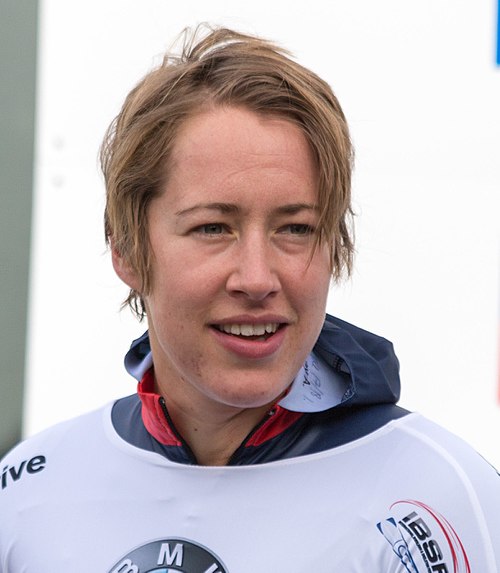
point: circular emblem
(170, 556)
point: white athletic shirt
(408, 497)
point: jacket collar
(348, 366)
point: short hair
(220, 67)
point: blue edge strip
(498, 33)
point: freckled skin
(225, 244)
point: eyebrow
(229, 208)
(296, 208)
(220, 207)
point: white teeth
(249, 329)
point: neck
(214, 439)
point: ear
(124, 270)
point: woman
(262, 436)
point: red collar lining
(153, 415)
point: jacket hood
(348, 366)
(368, 359)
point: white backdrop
(418, 83)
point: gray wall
(18, 34)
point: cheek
(171, 283)
(177, 305)
(314, 284)
(173, 318)
(183, 271)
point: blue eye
(211, 229)
(300, 229)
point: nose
(255, 273)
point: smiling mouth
(259, 332)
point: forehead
(237, 132)
(233, 147)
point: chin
(249, 399)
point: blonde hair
(220, 67)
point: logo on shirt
(12, 474)
(170, 556)
(424, 540)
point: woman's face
(237, 296)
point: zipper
(188, 451)
(241, 448)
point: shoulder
(453, 476)
(430, 448)
(52, 445)
(436, 497)
(441, 444)
(57, 432)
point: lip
(247, 348)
